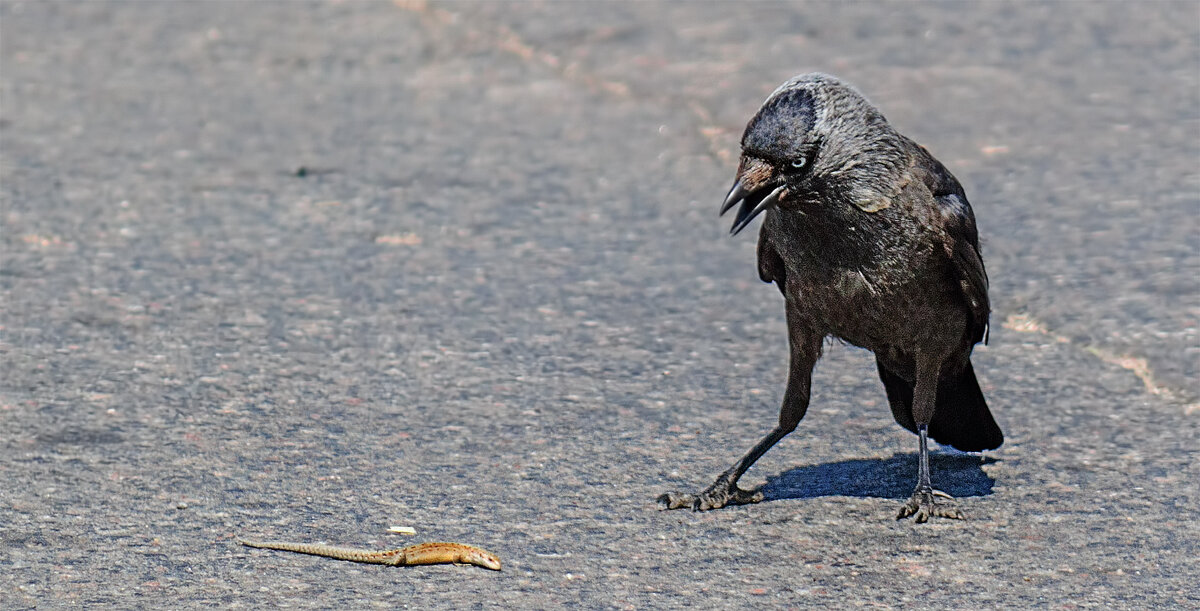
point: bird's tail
(960, 417)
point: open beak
(754, 200)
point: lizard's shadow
(955, 474)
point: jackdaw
(871, 240)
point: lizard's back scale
(421, 553)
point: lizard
(421, 553)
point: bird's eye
(799, 163)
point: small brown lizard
(421, 553)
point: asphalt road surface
(311, 270)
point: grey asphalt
(311, 270)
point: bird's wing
(962, 239)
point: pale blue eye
(799, 163)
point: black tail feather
(960, 418)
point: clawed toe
(675, 500)
(715, 497)
(924, 505)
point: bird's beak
(756, 192)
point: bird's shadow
(958, 475)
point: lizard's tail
(393, 557)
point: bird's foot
(923, 503)
(718, 495)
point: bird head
(816, 142)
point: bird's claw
(923, 503)
(716, 496)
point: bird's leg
(806, 349)
(923, 502)
(923, 459)
(725, 491)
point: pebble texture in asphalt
(497, 305)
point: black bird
(871, 240)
